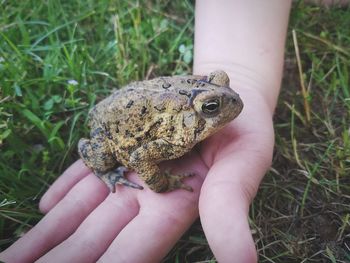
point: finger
(223, 213)
(59, 223)
(162, 219)
(226, 194)
(97, 231)
(62, 185)
(151, 234)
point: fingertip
(224, 217)
(44, 204)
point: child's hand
(84, 223)
(238, 158)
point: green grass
(57, 58)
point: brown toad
(149, 121)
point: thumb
(226, 194)
(223, 213)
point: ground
(57, 58)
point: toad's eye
(211, 107)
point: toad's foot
(118, 177)
(175, 181)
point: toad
(150, 121)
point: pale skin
(84, 223)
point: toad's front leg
(144, 161)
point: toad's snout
(237, 101)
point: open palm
(84, 223)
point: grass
(57, 58)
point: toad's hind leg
(117, 176)
(97, 156)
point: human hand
(84, 223)
(238, 158)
